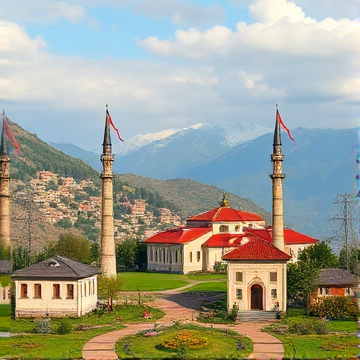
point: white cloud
(180, 12)
(308, 66)
(15, 43)
(43, 11)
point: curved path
(183, 307)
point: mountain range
(321, 166)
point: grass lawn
(144, 281)
(219, 344)
(319, 346)
(149, 281)
(340, 342)
(218, 286)
(206, 276)
(343, 326)
(39, 346)
(5, 317)
(53, 346)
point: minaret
(277, 159)
(4, 197)
(107, 242)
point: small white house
(57, 286)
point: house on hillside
(338, 282)
(57, 286)
(207, 237)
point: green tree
(301, 282)
(20, 258)
(302, 276)
(95, 253)
(354, 260)
(52, 185)
(64, 223)
(126, 253)
(320, 255)
(75, 247)
(108, 287)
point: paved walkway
(183, 307)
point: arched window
(224, 228)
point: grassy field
(341, 341)
(217, 286)
(149, 281)
(5, 317)
(320, 346)
(52, 346)
(219, 344)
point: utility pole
(346, 223)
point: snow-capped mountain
(232, 135)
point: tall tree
(126, 253)
(302, 275)
(108, 287)
(320, 255)
(75, 247)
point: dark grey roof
(5, 267)
(57, 267)
(331, 276)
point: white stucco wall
(257, 273)
(82, 302)
(171, 262)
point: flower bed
(184, 338)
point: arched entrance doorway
(257, 297)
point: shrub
(43, 326)
(64, 327)
(335, 307)
(303, 326)
(220, 267)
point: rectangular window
(56, 291)
(37, 291)
(273, 276)
(320, 290)
(239, 276)
(239, 294)
(70, 291)
(347, 291)
(274, 294)
(237, 228)
(24, 293)
(190, 256)
(327, 291)
(198, 256)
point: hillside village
(65, 202)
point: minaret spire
(277, 176)
(4, 196)
(107, 242)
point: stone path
(183, 307)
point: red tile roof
(226, 214)
(224, 240)
(254, 248)
(290, 236)
(178, 235)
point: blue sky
(163, 64)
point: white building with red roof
(207, 237)
(256, 255)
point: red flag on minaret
(113, 126)
(10, 135)
(284, 127)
